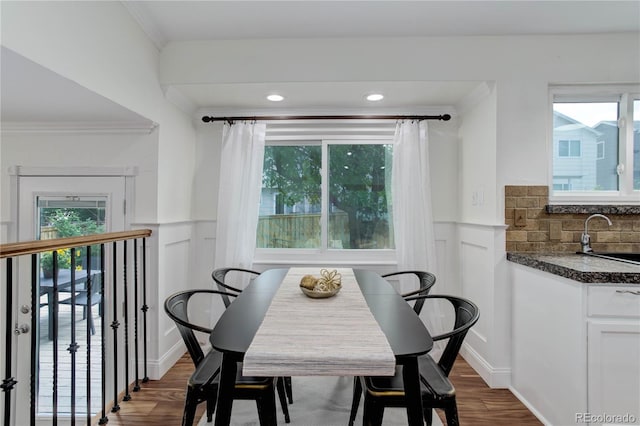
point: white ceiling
(167, 21)
(32, 93)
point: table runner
(336, 336)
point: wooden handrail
(38, 246)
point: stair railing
(123, 298)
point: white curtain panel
(239, 195)
(412, 211)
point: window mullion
(625, 132)
(324, 189)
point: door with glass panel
(58, 207)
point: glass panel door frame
(116, 186)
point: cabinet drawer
(614, 301)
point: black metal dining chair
(86, 300)
(220, 278)
(436, 389)
(426, 281)
(204, 382)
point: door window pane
(61, 217)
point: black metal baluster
(127, 395)
(136, 386)
(89, 315)
(9, 382)
(54, 319)
(144, 308)
(114, 325)
(103, 349)
(35, 336)
(73, 346)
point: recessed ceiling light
(275, 98)
(375, 97)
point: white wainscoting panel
(481, 263)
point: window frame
(624, 95)
(324, 254)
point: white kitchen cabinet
(613, 354)
(575, 349)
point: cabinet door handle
(636, 292)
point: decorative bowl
(329, 284)
(320, 294)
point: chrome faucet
(585, 239)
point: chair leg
(267, 409)
(211, 407)
(289, 388)
(90, 321)
(190, 404)
(355, 400)
(451, 412)
(373, 413)
(280, 386)
(427, 412)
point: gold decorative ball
(308, 282)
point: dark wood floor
(161, 401)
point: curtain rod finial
(446, 117)
(206, 119)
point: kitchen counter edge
(581, 268)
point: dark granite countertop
(585, 269)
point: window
(596, 144)
(600, 150)
(569, 148)
(326, 195)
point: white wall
(477, 159)
(99, 46)
(85, 150)
(521, 67)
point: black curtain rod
(443, 117)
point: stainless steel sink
(633, 258)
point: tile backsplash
(532, 229)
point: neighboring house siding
(580, 170)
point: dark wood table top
(405, 331)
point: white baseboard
(529, 406)
(158, 368)
(495, 378)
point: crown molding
(140, 14)
(79, 127)
(73, 171)
(177, 98)
(481, 92)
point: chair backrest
(177, 307)
(466, 315)
(426, 279)
(219, 276)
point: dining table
(63, 284)
(272, 329)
